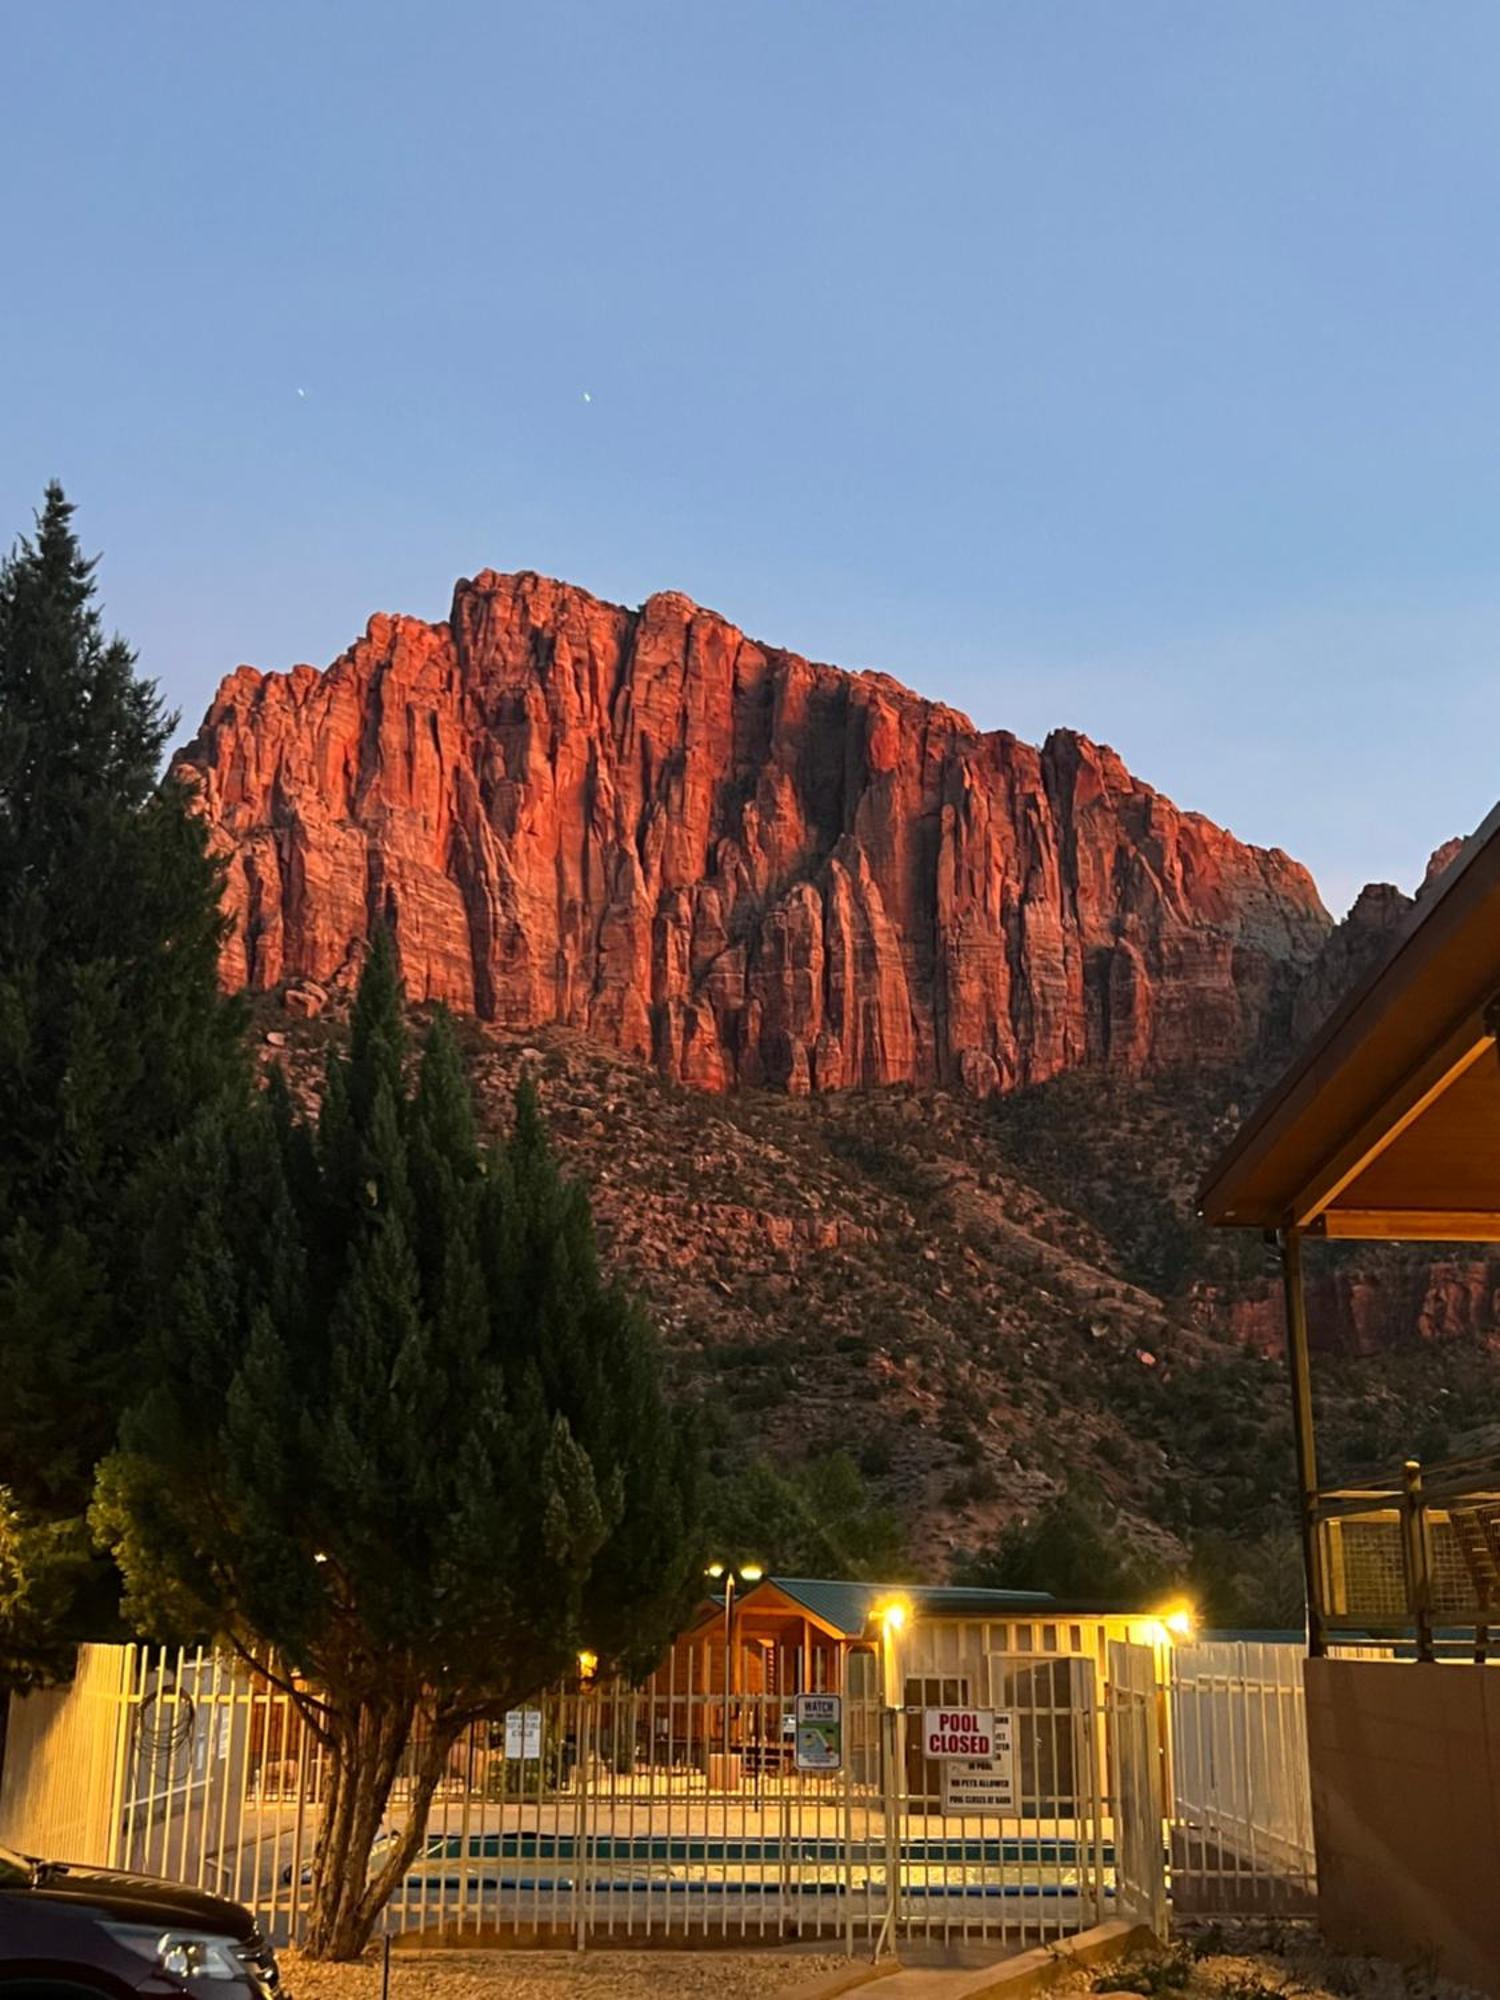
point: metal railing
(659, 1813)
(1417, 1557)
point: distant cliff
(736, 864)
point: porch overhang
(1387, 1125)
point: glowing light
(1177, 1621)
(715, 1570)
(751, 1572)
(588, 1666)
(893, 1614)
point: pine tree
(401, 1432)
(1072, 1546)
(813, 1519)
(112, 1030)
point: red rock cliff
(724, 858)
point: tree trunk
(425, 1778)
(366, 1756)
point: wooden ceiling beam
(1409, 1225)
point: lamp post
(892, 1616)
(732, 1576)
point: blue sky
(1109, 363)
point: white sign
(820, 1732)
(982, 1785)
(958, 1732)
(523, 1733)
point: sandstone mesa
(736, 864)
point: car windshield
(13, 1868)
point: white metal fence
(664, 1813)
(611, 1812)
(1242, 1807)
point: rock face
(1352, 949)
(721, 857)
(1357, 944)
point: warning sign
(523, 1734)
(978, 1786)
(958, 1732)
(984, 1784)
(820, 1732)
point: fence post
(890, 1760)
(1417, 1549)
(583, 1885)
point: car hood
(140, 1899)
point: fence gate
(1136, 1793)
(1242, 1807)
(1021, 1873)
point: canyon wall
(737, 864)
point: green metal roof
(847, 1606)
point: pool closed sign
(958, 1732)
(980, 1780)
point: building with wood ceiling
(1386, 1128)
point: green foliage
(44, 1566)
(402, 1440)
(1071, 1547)
(112, 1034)
(816, 1519)
(1249, 1987)
(1249, 1585)
(1163, 1974)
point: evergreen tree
(402, 1437)
(112, 1032)
(815, 1519)
(1072, 1547)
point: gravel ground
(1215, 1962)
(548, 1975)
(1266, 1961)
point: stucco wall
(1405, 1768)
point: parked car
(73, 1933)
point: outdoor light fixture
(735, 1577)
(588, 1665)
(1178, 1621)
(893, 1613)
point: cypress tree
(112, 1030)
(402, 1435)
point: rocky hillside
(976, 1300)
(731, 863)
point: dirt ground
(550, 1975)
(1265, 1961)
(1206, 1962)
